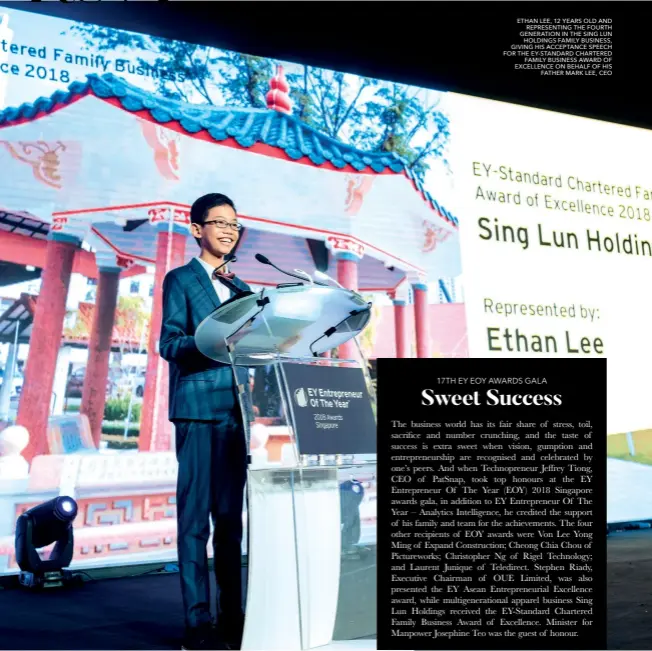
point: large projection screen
(556, 244)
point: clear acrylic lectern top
(291, 321)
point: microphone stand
(226, 261)
(226, 281)
(365, 363)
(264, 260)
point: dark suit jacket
(200, 388)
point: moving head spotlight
(40, 526)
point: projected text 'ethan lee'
(515, 341)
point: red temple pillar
(347, 276)
(421, 319)
(155, 428)
(99, 347)
(45, 342)
(400, 327)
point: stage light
(40, 526)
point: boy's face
(217, 234)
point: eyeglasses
(223, 225)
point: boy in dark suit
(210, 441)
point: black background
(454, 46)
(583, 385)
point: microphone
(265, 260)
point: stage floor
(144, 612)
(629, 590)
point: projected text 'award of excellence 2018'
(493, 505)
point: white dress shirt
(222, 291)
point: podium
(311, 507)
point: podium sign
(331, 408)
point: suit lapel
(205, 282)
